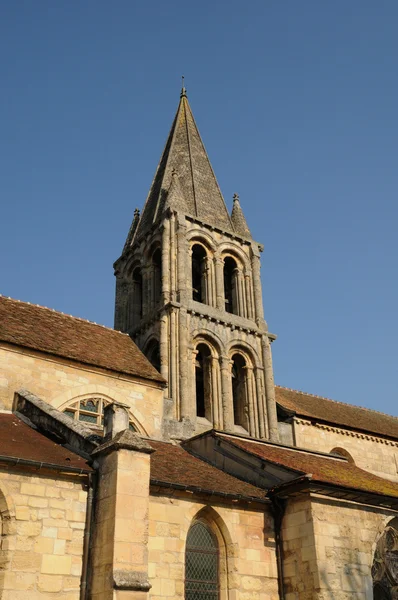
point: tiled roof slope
(323, 469)
(172, 465)
(52, 332)
(337, 413)
(185, 154)
(19, 441)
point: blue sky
(297, 106)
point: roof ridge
(61, 313)
(372, 410)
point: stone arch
(343, 453)
(248, 402)
(202, 269)
(152, 351)
(232, 249)
(240, 346)
(385, 563)
(206, 377)
(209, 337)
(94, 390)
(227, 550)
(202, 237)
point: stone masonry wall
(246, 542)
(345, 537)
(371, 453)
(58, 382)
(42, 525)
(329, 547)
(299, 552)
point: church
(158, 460)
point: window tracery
(385, 564)
(90, 411)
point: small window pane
(87, 418)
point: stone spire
(199, 194)
(238, 219)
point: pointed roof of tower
(238, 218)
(195, 189)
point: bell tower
(188, 291)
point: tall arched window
(201, 564)
(152, 352)
(136, 301)
(239, 391)
(230, 285)
(156, 277)
(203, 382)
(384, 568)
(199, 275)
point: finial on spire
(136, 213)
(183, 90)
(236, 197)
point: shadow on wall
(349, 573)
(346, 577)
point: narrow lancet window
(239, 391)
(230, 285)
(199, 283)
(201, 564)
(203, 381)
(153, 354)
(137, 297)
(156, 277)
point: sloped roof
(20, 442)
(174, 466)
(61, 335)
(323, 469)
(185, 155)
(337, 413)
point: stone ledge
(124, 440)
(131, 580)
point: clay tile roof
(19, 441)
(337, 413)
(53, 332)
(323, 469)
(172, 465)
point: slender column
(208, 282)
(213, 298)
(258, 300)
(242, 294)
(219, 267)
(164, 350)
(182, 253)
(226, 386)
(214, 393)
(185, 403)
(249, 304)
(173, 361)
(250, 399)
(236, 292)
(172, 258)
(270, 390)
(193, 391)
(166, 261)
(262, 416)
